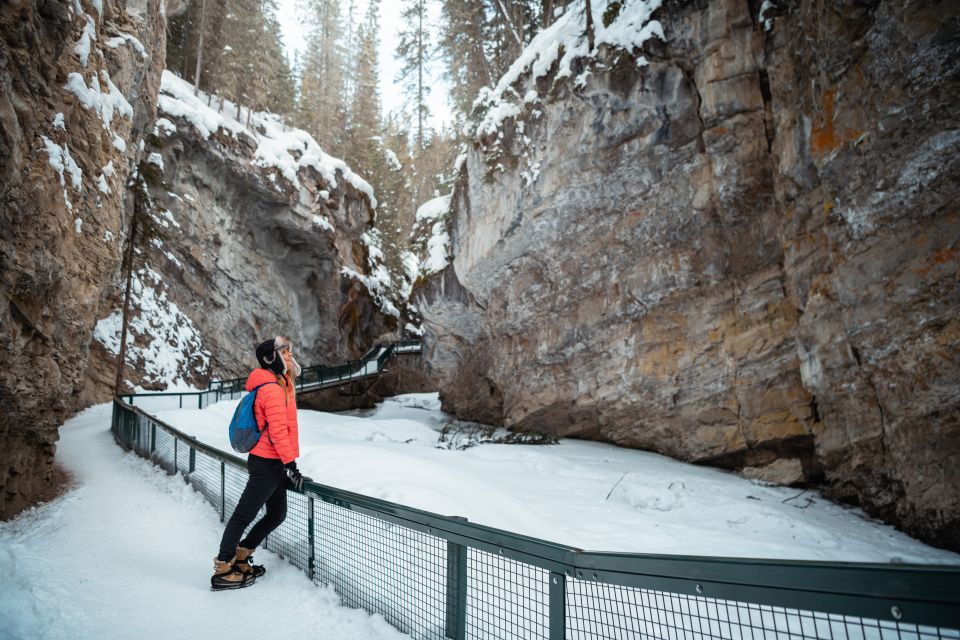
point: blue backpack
(244, 432)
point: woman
(270, 463)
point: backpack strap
(266, 424)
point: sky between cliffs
(295, 32)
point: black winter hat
(268, 357)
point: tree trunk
(131, 243)
(420, 63)
(547, 15)
(196, 75)
(487, 70)
(589, 25)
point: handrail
(921, 594)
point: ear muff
(268, 357)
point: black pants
(267, 485)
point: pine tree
(462, 48)
(396, 203)
(397, 153)
(415, 52)
(233, 48)
(480, 39)
(278, 76)
(194, 41)
(351, 46)
(368, 152)
(511, 25)
(321, 109)
(242, 30)
(365, 130)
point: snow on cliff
(431, 239)
(438, 245)
(565, 40)
(278, 146)
(163, 342)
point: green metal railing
(311, 379)
(435, 576)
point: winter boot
(228, 575)
(245, 563)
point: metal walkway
(315, 378)
(319, 377)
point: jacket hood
(259, 376)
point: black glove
(295, 477)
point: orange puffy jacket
(276, 411)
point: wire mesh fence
(612, 611)
(506, 598)
(435, 577)
(292, 538)
(382, 567)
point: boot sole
(239, 585)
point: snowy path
(126, 553)
(128, 545)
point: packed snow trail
(127, 553)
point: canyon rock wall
(240, 250)
(739, 250)
(78, 85)
(241, 233)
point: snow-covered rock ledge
(253, 230)
(280, 150)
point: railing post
(153, 437)
(180, 398)
(136, 437)
(175, 442)
(223, 490)
(310, 538)
(193, 460)
(558, 606)
(456, 623)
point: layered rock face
(743, 254)
(230, 249)
(241, 252)
(78, 83)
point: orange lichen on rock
(938, 258)
(824, 138)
